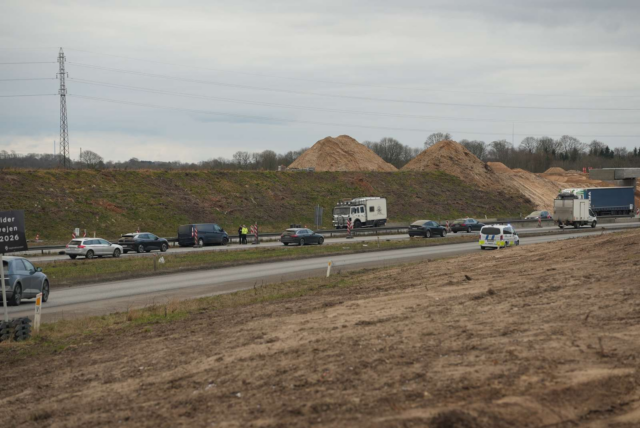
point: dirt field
(535, 336)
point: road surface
(108, 297)
(328, 241)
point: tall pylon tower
(64, 129)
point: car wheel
(164, 248)
(72, 256)
(116, 253)
(468, 230)
(576, 225)
(285, 243)
(125, 251)
(89, 254)
(301, 242)
(201, 242)
(483, 248)
(444, 233)
(320, 241)
(45, 292)
(593, 224)
(427, 234)
(140, 248)
(454, 231)
(357, 224)
(17, 296)
(517, 242)
(225, 241)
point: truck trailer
(614, 201)
(368, 211)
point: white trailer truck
(367, 211)
(570, 210)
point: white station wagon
(92, 247)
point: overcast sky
(287, 73)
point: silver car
(92, 247)
(23, 280)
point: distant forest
(532, 154)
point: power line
(365, 85)
(299, 107)
(320, 123)
(388, 100)
(30, 62)
(36, 78)
(26, 95)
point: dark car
(544, 215)
(23, 280)
(208, 233)
(426, 228)
(142, 242)
(301, 236)
(466, 225)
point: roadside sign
(36, 318)
(12, 239)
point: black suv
(142, 242)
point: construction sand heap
(452, 158)
(341, 153)
(555, 170)
(540, 190)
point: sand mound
(555, 170)
(453, 158)
(341, 153)
(540, 190)
(499, 167)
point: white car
(92, 247)
(498, 236)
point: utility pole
(64, 129)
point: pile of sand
(540, 190)
(452, 158)
(555, 170)
(341, 153)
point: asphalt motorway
(119, 296)
(328, 241)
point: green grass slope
(115, 202)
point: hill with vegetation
(112, 202)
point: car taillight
(80, 246)
(67, 245)
(501, 237)
(294, 236)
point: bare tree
(436, 137)
(91, 159)
(478, 148)
(242, 159)
(529, 144)
(500, 150)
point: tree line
(532, 154)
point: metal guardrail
(330, 232)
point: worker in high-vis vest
(245, 231)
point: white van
(498, 236)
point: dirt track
(544, 335)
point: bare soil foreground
(535, 336)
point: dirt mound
(555, 170)
(452, 158)
(499, 167)
(341, 153)
(540, 190)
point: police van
(498, 236)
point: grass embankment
(63, 334)
(115, 202)
(80, 272)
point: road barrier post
(4, 291)
(329, 269)
(36, 317)
(349, 227)
(539, 222)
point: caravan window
(362, 210)
(372, 209)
